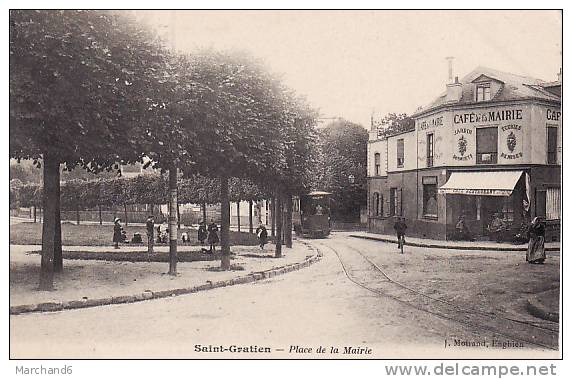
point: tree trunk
(58, 256)
(238, 215)
(35, 217)
(99, 210)
(153, 209)
(51, 184)
(224, 224)
(77, 213)
(178, 217)
(250, 226)
(204, 212)
(173, 206)
(125, 212)
(278, 210)
(288, 222)
(273, 216)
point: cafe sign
(488, 116)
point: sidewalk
(88, 283)
(457, 245)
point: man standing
(400, 228)
(150, 224)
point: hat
(116, 219)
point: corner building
(489, 146)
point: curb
(536, 309)
(449, 247)
(148, 294)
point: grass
(29, 233)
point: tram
(311, 214)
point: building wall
(440, 125)
(410, 152)
(543, 116)
(377, 146)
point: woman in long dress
(213, 236)
(535, 252)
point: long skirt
(535, 249)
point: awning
(483, 183)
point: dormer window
(483, 92)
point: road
(293, 315)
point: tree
(73, 196)
(80, 83)
(342, 168)
(236, 102)
(394, 123)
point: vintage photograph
(285, 184)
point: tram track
(368, 275)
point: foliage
(80, 82)
(30, 195)
(343, 157)
(394, 123)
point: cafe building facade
(488, 149)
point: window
(400, 153)
(483, 92)
(430, 150)
(552, 142)
(430, 196)
(553, 203)
(487, 144)
(548, 203)
(377, 170)
(377, 204)
(395, 202)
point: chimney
(560, 75)
(450, 66)
(454, 91)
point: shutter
(553, 203)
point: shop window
(483, 92)
(377, 166)
(430, 150)
(395, 202)
(400, 153)
(508, 208)
(487, 145)
(552, 144)
(430, 196)
(552, 203)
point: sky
(353, 64)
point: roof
(514, 87)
